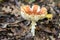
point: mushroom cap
(35, 13)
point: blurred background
(14, 27)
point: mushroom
(33, 14)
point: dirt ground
(14, 27)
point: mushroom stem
(33, 28)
